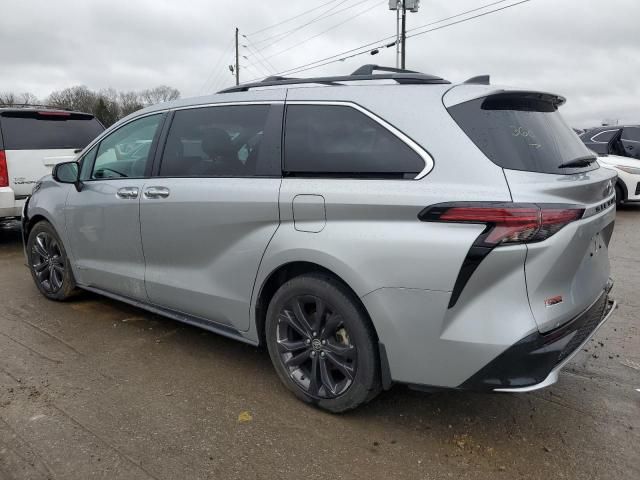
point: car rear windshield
(47, 130)
(523, 132)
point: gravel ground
(96, 389)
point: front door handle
(128, 193)
(156, 192)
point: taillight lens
(507, 223)
(4, 173)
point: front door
(208, 215)
(631, 141)
(103, 218)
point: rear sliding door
(211, 209)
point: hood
(613, 160)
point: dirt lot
(96, 389)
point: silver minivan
(368, 229)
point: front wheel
(322, 344)
(49, 263)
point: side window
(340, 140)
(631, 133)
(605, 136)
(126, 152)
(87, 162)
(214, 141)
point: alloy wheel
(47, 262)
(315, 347)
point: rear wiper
(578, 162)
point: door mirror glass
(66, 172)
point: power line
(217, 64)
(368, 9)
(469, 18)
(220, 78)
(259, 58)
(249, 67)
(290, 18)
(333, 58)
(281, 36)
(416, 34)
(394, 37)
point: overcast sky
(586, 50)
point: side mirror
(67, 172)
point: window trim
(107, 133)
(593, 139)
(413, 145)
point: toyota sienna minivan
(368, 229)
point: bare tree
(107, 108)
(28, 98)
(108, 105)
(129, 103)
(78, 98)
(8, 98)
(159, 94)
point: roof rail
(370, 68)
(363, 73)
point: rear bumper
(535, 361)
(10, 206)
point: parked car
(628, 182)
(622, 141)
(368, 229)
(32, 141)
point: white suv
(32, 141)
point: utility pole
(398, 33)
(404, 34)
(237, 60)
(401, 7)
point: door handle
(128, 192)
(156, 192)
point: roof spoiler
(479, 80)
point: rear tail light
(4, 173)
(507, 223)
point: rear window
(47, 130)
(522, 132)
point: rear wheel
(49, 263)
(322, 344)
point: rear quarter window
(522, 132)
(337, 140)
(47, 130)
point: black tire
(338, 347)
(49, 264)
(619, 196)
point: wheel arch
(286, 271)
(623, 187)
(31, 222)
(27, 225)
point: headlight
(631, 170)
